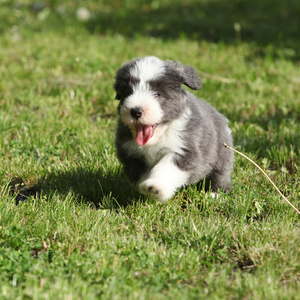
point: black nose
(136, 112)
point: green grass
(79, 230)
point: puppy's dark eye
(156, 94)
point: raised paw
(149, 187)
(152, 188)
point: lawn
(71, 227)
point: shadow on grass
(104, 190)
(265, 22)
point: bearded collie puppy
(166, 137)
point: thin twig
(38, 156)
(257, 166)
(216, 77)
(68, 82)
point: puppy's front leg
(163, 180)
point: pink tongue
(143, 134)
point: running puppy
(166, 137)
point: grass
(79, 230)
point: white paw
(217, 196)
(155, 189)
(214, 195)
(150, 187)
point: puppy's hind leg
(163, 180)
(220, 180)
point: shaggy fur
(166, 137)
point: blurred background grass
(263, 23)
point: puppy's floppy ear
(188, 75)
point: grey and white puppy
(166, 137)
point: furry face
(166, 137)
(149, 83)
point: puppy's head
(151, 96)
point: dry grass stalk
(257, 166)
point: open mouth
(144, 133)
